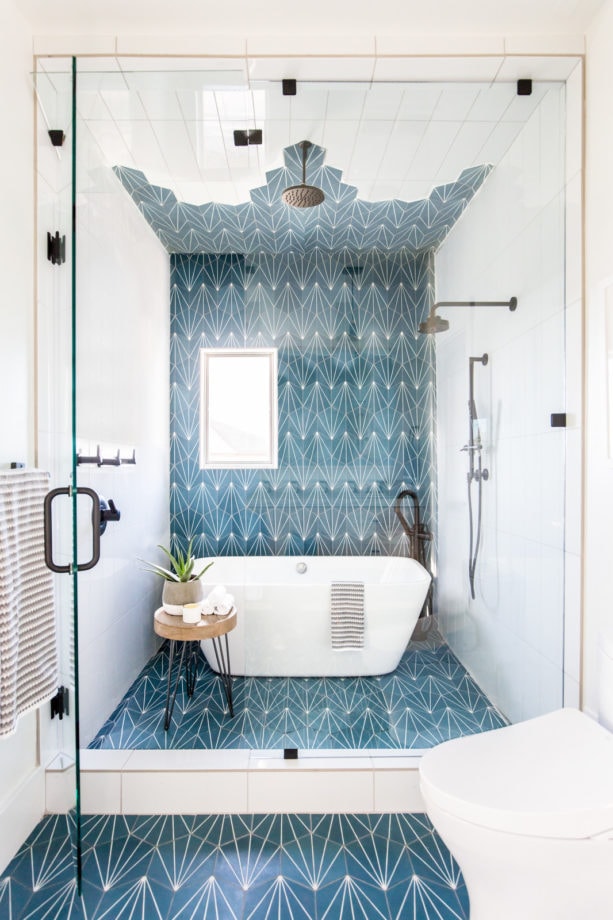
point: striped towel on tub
(347, 614)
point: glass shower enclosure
(123, 321)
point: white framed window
(238, 408)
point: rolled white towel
(217, 594)
(224, 606)
(208, 607)
(219, 601)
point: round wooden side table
(189, 635)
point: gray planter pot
(177, 593)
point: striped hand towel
(28, 647)
(347, 614)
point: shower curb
(247, 782)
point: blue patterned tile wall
(340, 290)
(355, 399)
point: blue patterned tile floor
(430, 698)
(237, 867)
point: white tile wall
(100, 793)
(513, 638)
(316, 791)
(574, 612)
(122, 401)
(187, 793)
(397, 791)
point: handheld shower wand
(476, 472)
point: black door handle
(48, 520)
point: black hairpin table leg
(191, 667)
(170, 627)
(170, 700)
(191, 670)
(223, 666)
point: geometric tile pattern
(428, 699)
(266, 224)
(237, 867)
(355, 400)
(339, 290)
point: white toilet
(527, 811)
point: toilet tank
(605, 683)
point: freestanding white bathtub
(283, 613)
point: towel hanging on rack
(347, 614)
(28, 644)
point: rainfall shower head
(303, 195)
(436, 323)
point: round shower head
(434, 324)
(303, 195)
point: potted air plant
(182, 584)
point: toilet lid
(549, 777)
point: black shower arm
(511, 304)
(306, 145)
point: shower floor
(237, 867)
(428, 699)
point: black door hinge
(56, 248)
(59, 703)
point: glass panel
(510, 522)
(54, 91)
(122, 398)
(168, 204)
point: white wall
(123, 323)
(16, 240)
(21, 804)
(510, 243)
(598, 619)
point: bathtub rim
(241, 561)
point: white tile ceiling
(391, 140)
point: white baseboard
(20, 814)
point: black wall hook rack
(99, 460)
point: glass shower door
(59, 748)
